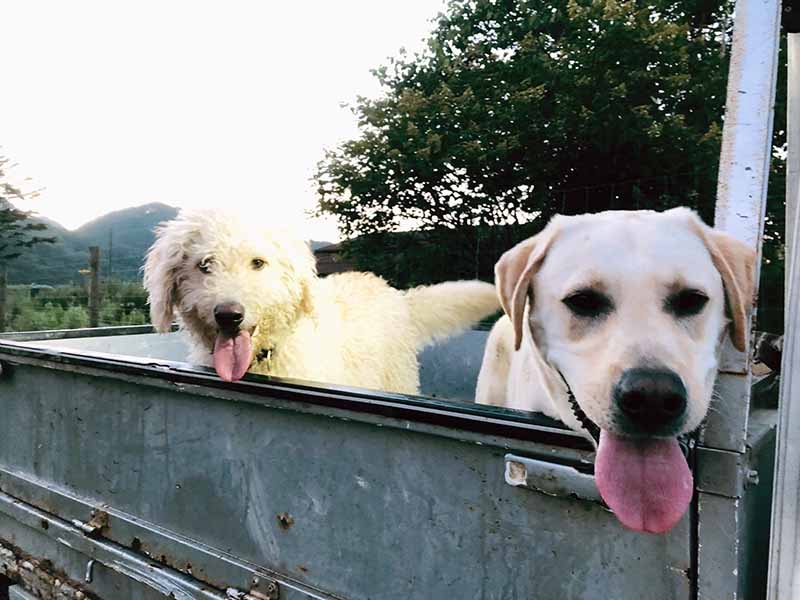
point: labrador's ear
(161, 266)
(736, 263)
(513, 276)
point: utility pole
(3, 287)
(110, 248)
(94, 286)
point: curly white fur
(349, 329)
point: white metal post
(741, 204)
(784, 563)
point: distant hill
(129, 233)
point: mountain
(128, 233)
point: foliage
(66, 307)
(520, 109)
(17, 231)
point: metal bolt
(272, 590)
(751, 477)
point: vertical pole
(110, 250)
(793, 144)
(784, 559)
(94, 286)
(3, 291)
(741, 202)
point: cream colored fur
(350, 329)
(637, 258)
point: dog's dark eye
(588, 303)
(686, 303)
(205, 265)
(258, 263)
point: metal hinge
(95, 525)
(263, 589)
(723, 472)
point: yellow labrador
(614, 323)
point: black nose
(229, 316)
(652, 400)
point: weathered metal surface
(17, 593)
(53, 558)
(719, 539)
(725, 427)
(720, 472)
(744, 162)
(784, 580)
(415, 413)
(67, 334)
(733, 518)
(147, 539)
(747, 134)
(793, 145)
(198, 475)
(741, 203)
(755, 528)
(552, 479)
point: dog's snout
(229, 316)
(651, 400)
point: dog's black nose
(652, 400)
(229, 316)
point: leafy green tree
(519, 109)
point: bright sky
(192, 103)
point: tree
(17, 232)
(519, 109)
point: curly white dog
(250, 300)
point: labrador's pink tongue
(232, 355)
(647, 483)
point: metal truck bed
(126, 474)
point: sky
(108, 105)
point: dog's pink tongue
(647, 483)
(232, 355)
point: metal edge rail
(356, 404)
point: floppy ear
(309, 275)
(513, 274)
(301, 263)
(160, 270)
(736, 263)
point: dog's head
(234, 284)
(630, 308)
